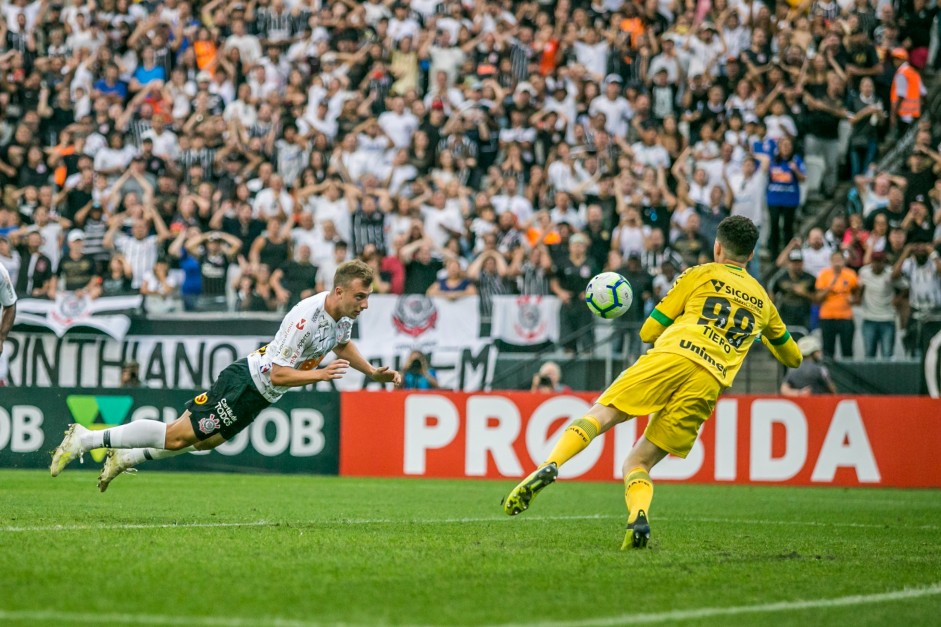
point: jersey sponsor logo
(209, 424)
(699, 350)
(201, 399)
(739, 294)
(310, 364)
(225, 412)
(286, 352)
(300, 325)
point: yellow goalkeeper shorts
(678, 394)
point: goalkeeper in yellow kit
(700, 332)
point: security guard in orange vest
(907, 91)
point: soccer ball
(609, 295)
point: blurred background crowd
(227, 155)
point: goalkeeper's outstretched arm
(786, 352)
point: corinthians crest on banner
(68, 311)
(526, 320)
(447, 331)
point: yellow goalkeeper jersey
(713, 315)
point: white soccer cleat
(68, 449)
(118, 461)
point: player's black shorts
(230, 405)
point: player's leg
(575, 438)
(673, 430)
(638, 490)
(641, 389)
(210, 419)
(136, 434)
(178, 433)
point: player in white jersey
(313, 328)
(8, 303)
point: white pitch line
(288, 524)
(440, 521)
(150, 619)
(803, 523)
(625, 619)
(764, 608)
(257, 523)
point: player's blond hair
(349, 271)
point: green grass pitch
(230, 550)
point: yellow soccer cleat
(638, 533)
(68, 450)
(523, 494)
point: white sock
(137, 456)
(137, 434)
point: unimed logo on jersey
(86, 410)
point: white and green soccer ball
(609, 295)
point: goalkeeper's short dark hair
(738, 236)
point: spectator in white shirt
(112, 160)
(273, 200)
(592, 52)
(442, 222)
(248, 45)
(617, 110)
(140, 248)
(398, 124)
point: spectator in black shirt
(116, 280)
(295, 280)
(598, 236)
(36, 269)
(79, 195)
(247, 296)
(571, 277)
(215, 251)
(691, 245)
(823, 130)
(77, 272)
(421, 269)
(792, 291)
(860, 58)
(368, 223)
(153, 165)
(243, 226)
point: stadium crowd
(227, 155)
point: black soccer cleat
(523, 494)
(638, 532)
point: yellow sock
(574, 440)
(638, 492)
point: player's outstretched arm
(285, 376)
(351, 354)
(670, 308)
(786, 352)
(651, 330)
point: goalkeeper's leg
(575, 438)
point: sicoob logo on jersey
(209, 424)
(414, 314)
